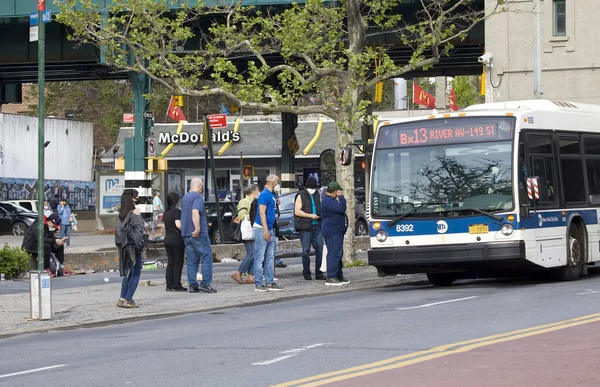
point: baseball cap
(334, 186)
(54, 219)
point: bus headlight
(507, 229)
(381, 236)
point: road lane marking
(34, 370)
(444, 350)
(437, 303)
(267, 362)
(589, 291)
(292, 352)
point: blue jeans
(128, 287)
(335, 251)
(314, 238)
(247, 264)
(199, 251)
(263, 253)
(65, 230)
(275, 250)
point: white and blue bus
(449, 193)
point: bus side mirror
(346, 156)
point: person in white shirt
(157, 208)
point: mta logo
(110, 183)
(442, 227)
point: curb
(411, 282)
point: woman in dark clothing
(173, 244)
(128, 214)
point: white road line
(437, 303)
(589, 291)
(267, 362)
(34, 370)
(295, 350)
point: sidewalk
(81, 243)
(96, 305)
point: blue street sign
(46, 17)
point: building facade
(569, 60)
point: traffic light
(379, 92)
(178, 100)
(248, 171)
(346, 156)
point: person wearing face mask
(335, 225)
(278, 262)
(51, 243)
(246, 210)
(307, 221)
(47, 210)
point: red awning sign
(217, 120)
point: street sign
(217, 120)
(33, 33)
(151, 147)
(148, 115)
(46, 17)
(129, 118)
(292, 143)
(359, 142)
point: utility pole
(41, 140)
(537, 82)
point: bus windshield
(446, 167)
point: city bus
(497, 189)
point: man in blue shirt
(264, 237)
(194, 230)
(333, 228)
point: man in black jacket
(307, 221)
(51, 243)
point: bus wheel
(575, 256)
(440, 279)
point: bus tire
(575, 256)
(440, 279)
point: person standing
(54, 204)
(307, 221)
(245, 212)
(264, 238)
(130, 253)
(194, 230)
(64, 211)
(278, 262)
(47, 209)
(157, 208)
(174, 244)
(334, 226)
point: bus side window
(542, 167)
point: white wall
(68, 157)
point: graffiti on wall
(80, 195)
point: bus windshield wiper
(413, 211)
(477, 211)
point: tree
(466, 90)
(317, 47)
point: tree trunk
(345, 176)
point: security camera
(485, 58)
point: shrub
(13, 261)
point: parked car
(30, 205)
(15, 219)
(228, 209)
(286, 218)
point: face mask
(51, 228)
(277, 188)
(311, 191)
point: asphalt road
(270, 344)
(95, 279)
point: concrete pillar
(440, 93)
(136, 147)
(289, 123)
(400, 94)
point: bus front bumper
(444, 258)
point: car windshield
(286, 202)
(450, 179)
(13, 208)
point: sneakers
(344, 281)
(307, 276)
(281, 265)
(320, 276)
(274, 287)
(193, 289)
(131, 304)
(121, 303)
(206, 288)
(261, 288)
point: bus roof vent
(565, 104)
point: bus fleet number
(404, 228)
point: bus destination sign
(446, 131)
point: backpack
(55, 266)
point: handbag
(236, 231)
(246, 230)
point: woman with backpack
(129, 239)
(247, 210)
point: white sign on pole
(33, 33)
(151, 147)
